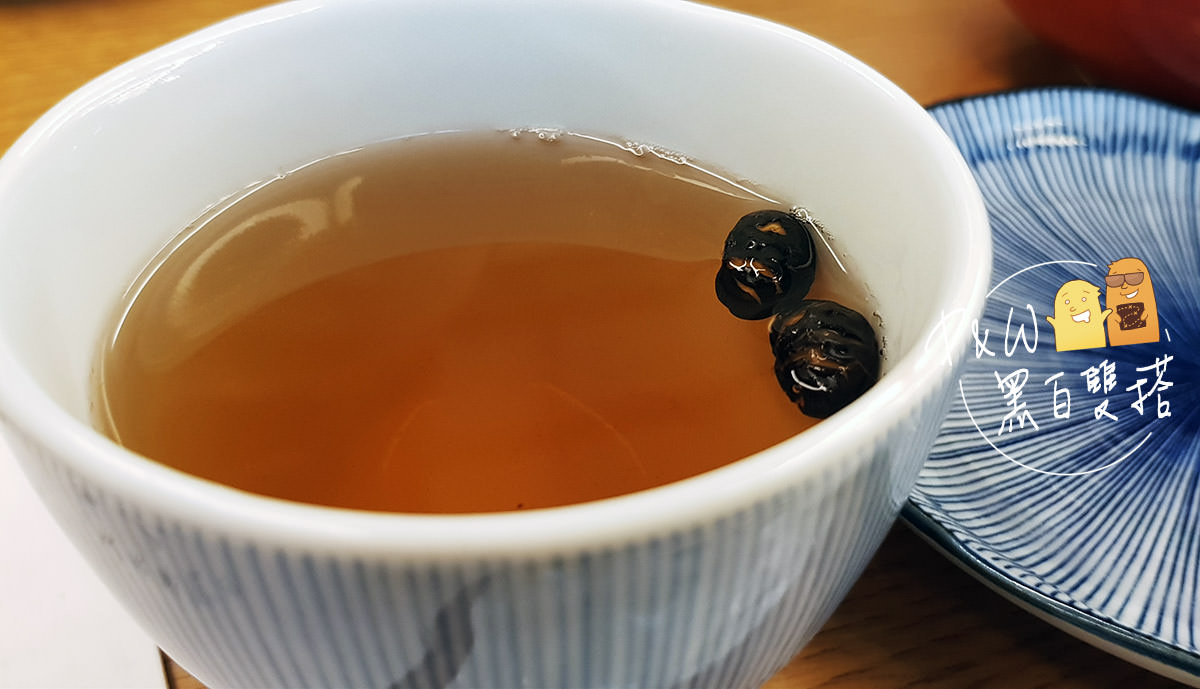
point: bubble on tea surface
(547, 134)
(641, 149)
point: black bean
(826, 355)
(768, 255)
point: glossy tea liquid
(451, 323)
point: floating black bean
(826, 355)
(768, 255)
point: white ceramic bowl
(715, 580)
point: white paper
(60, 628)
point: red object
(1150, 46)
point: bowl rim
(609, 522)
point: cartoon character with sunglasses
(1130, 295)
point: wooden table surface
(914, 619)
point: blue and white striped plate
(1069, 480)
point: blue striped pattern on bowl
(1093, 521)
(723, 602)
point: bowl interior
(113, 173)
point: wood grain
(914, 619)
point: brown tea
(452, 323)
